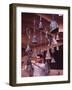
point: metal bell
(40, 24)
(54, 41)
(57, 37)
(34, 39)
(53, 60)
(28, 48)
(48, 56)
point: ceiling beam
(47, 18)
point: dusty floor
(52, 72)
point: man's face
(39, 60)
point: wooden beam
(44, 17)
(45, 47)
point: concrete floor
(52, 72)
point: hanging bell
(57, 48)
(34, 39)
(48, 41)
(28, 48)
(54, 40)
(48, 56)
(40, 24)
(57, 37)
(53, 60)
(53, 25)
(46, 35)
(41, 52)
(52, 50)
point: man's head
(39, 58)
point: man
(39, 67)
